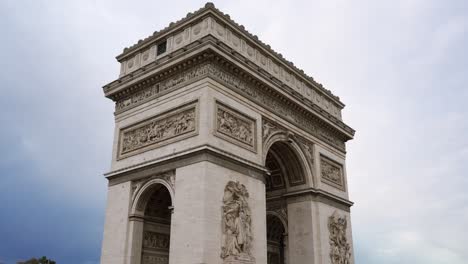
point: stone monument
(224, 152)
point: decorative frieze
(155, 259)
(263, 97)
(236, 226)
(277, 105)
(331, 172)
(235, 127)
(162, 87)
(162, 129)
(340, 250)
(157, 241)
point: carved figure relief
(161, 87)
(269, 128)
(235, 127)
(241, 85)
(157, 129)
(332, 173)
(276, 105)
(237, 234)
(340, 250)
(155, 240)
(155, 259)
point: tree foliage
(42, 260)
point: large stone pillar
(197, 223)
(116, 223)
(302, 231)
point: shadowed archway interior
(157, 226)
(284, 167)
(284, 171)
(275, 240)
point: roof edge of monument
(211, 7)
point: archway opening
(157, 226)
(275, 240)
(284, 171)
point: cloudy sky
(400, 66)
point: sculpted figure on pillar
(340, 251)
(237, 235)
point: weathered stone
(224, 152)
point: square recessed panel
(331, 173)
(235, 127)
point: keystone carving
(237, 234)
(340, 250)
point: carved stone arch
(144, 193)
(277, 246)
(282, 218)
(286, 144)
(273, 137)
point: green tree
(43, 260)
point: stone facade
(224, 152)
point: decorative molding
(228, 32)
(340, 250)
(276, 104)
(157, 241)
(168, 176)
(164, 128)
(247, 87)
(236, 226)
(331, 173)
(156, 89)
(235, 127)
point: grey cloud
(399, 66)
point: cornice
(179, 159)
(207, 51)
(210, 10)
(320, 194)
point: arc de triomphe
(224, 152)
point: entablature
(209, 21)
(211, 60)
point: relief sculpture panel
(237, 233)
(163, 128)
(155, 240)
(332, 173)
(235, 127)
(155, 259)
(340, 250)
(239, 84)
